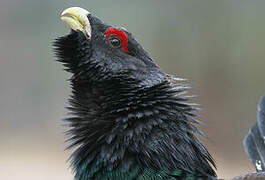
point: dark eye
(118, 39)
(115, 41)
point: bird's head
(99, 52)
(125, 108)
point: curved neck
(125, 127)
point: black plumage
(130, 120)
(254, 142)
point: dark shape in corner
(254, 142)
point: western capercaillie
(254, 142)
(130, 120)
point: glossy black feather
(129, 119)
(254, 141)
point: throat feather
(128, 127)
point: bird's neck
(122, 126)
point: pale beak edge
(78, 20)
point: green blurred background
(219, 45)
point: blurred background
(219, 46)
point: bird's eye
(115, 41)
(118, 39)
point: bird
(254, 145)
(254, 141)
(129, 119)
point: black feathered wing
(254, 142)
